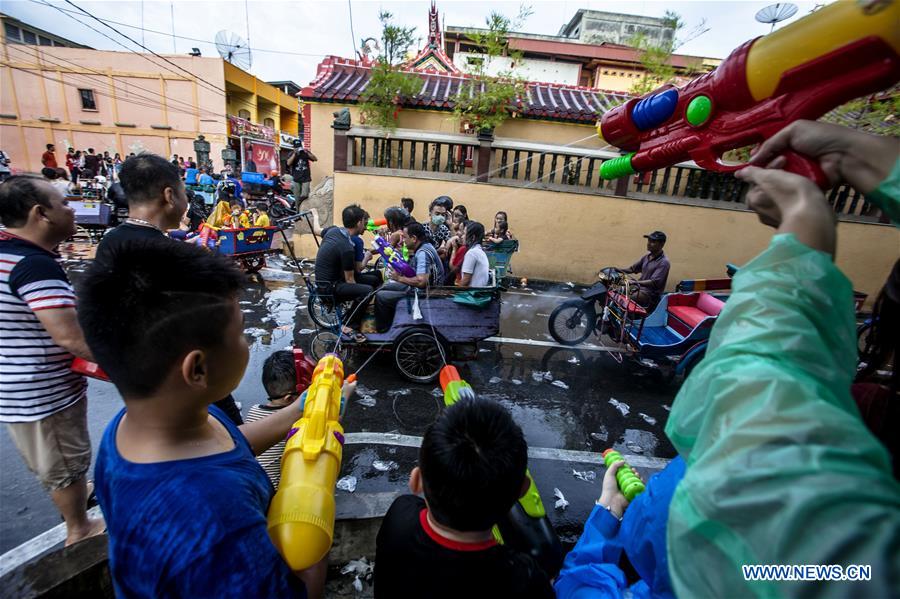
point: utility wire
(352, 34)
(212, 86)
(173, 103)
(181, 37)
(145, 56)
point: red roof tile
(343, 80)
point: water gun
(840, 52)
(526, 527)
(301, 515)
(393, 259)
(629, 482)
(91, 369)
(373, 224)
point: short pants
(57, 449)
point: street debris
(621, 406)
(561, 502)
(347, 483)
(588, 476)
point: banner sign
(239, 127)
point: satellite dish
(234, 49)
(775, 13)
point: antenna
(234, 49)
(775, 13)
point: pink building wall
(140, 106)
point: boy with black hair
(407, 204)
(472, 470)
(285, 383)
(184, 499)
(336, 267)
(429, 271)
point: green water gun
(526, 527)
(629, 482)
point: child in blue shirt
(184, 499)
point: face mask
(438, 219)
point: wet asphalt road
(588, 402)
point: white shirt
(475, 263)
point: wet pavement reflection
(563, 398)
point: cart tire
(572, 321)
(692, 362)
(419, 356)
(324, 343)
(322, 315)
(253, 264)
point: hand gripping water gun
(840, 52)
(373, 224)
(301, 515)
(393, 259)
(629, 483)
(526, 527)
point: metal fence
(547, 166)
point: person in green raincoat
(780, 467)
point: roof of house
(342, 80)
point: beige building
(124, 102)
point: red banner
(263, 155)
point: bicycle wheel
(324, 314)
(572, 321)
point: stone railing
(415, 153)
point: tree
(656, 56)
(486, 100)
(388, 85)
(876, 113)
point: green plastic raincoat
(780, 467)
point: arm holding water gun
(746, 443)
(393, 259)
(802, 71)
(526, 527)
(301, 515)
(617, 525)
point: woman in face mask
(437, 231)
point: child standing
(184, 499)
(472, 470)
(262, 215)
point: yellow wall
(246, 92)
(568, 237)
(581, 135)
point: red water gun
(840, 52)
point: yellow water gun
(301, 515)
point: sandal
(355, 336)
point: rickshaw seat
(691, 316)
(633, 308)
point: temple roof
(342, 80)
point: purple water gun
(392, 258)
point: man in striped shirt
(42, 402)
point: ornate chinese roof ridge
(342, 80)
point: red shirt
(48, 159)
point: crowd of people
(446, 250)
(775, 464)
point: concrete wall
(568, 237)
(156, 109)
(530, 69)
(597, 27)
(322, 135)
